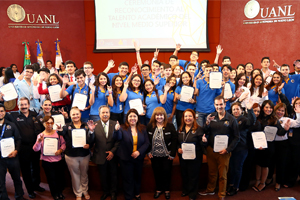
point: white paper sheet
(215, 80)
(54, 92)
(78, 138)
(270, 132)
(189, 151)
(79, 100)
(58, 120)
(50, 146)
(221, 142)
(227, 91)
(259, 140)
(9, 92)
(137, 104)
(187, 93)
(7, 146)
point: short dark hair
(167, 66)
(204, 61)
(195, 52)
(285, 65)
(214, 65)
(240, 65)
(228, 66)
(124, 63)
(157, 62)
(46, 118)
(36, 67)
(219, 98)
(226, 57)
(79, 72)
(2, 106)
(49, 61)
(173, 56)
(191, 64)
(146, 65)
(264, 59)
(44, 70)
(24, 98)
(70, 62)
(88, 63)
(29, 67)
(296, 61)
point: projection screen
(152, 24)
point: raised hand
(280, 87)
(156, 80)
(167, 87)
(264, 94)
(204, 139)
(275, 64)
(109, 88)
(40, 137)
(209, 119)
(59, 127)
(65, 79)
(250, 104)
(92, 87)
(91, 125)
(287, 125)
(134, 68)
(178, 47)
(117, 126)
(126, 83)
(238, 92)
(65, 114)
(146, 62)
(136, 46)
(156, 53)
(111, 64)
(219, 49)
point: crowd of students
(118, 134)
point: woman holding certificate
(163, 146)
(258, 92)
(54, 83)
(77, 137)
(271, 127)
(100, 94)
(153, 98)
(51, 146)
(184, 95)
(242, 93)
(133, 96)
(275, 86)
(116, 110)
(190, 153)
(169, 105)
(134, 144)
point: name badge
(121, 107)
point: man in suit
(105, 148)
(296, 65)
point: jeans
(201, 118)
(173, 120)
(95, 117)
(236, 166)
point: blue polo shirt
(100, 100)
(181, 105)
(85, 91)
(291, 86)
(132, 95)
(161, 83)
(232, 86)
(111, 75)
(206, 97)
(273, 96)
(118, 106)
(151, 103)
(182, 63)
(168, 106)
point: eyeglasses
(49, 123)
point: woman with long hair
(116, 110)
(269, 123)
(8, 76)
(275, 86)
(163, 146)
(190, 133)
(2, 74)
(242, 93)
(15, 70)
(169, 105)
(232, 75)
(258, 92)
(100, 94)
(134, 143)
(253, 74)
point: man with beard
(29, 159)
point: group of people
(118, 133)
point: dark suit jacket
(292, 73)
(126, 144)
(170, 137)
(103, 144)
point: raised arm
(178, 46)
(219, 51)
(63, 92)
(110, 99)
(110, 65)
(124, 95)
(138, 56)
(92, 94)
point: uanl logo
(276, 14)
(17, 14)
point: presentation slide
(152, 24)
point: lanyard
(187, 135)
(3, 129)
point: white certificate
(58, 120)
(187, 93)
(9, 92)
(188, 151)
(227, 91)
(54, 92)
(78, 138)
(270, 132)
(7, 146)
(259, 140)
(137, 104)
(79, 100)
(215, 80)
(221, 143)
(50, 146)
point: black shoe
(31, 195)
(39, 189)
(61, 196)
(183, 194)
(56, 198)
(113, 196)
(137, 198)
(104, 196)
(269, 182)
(232, 192)
(22, 198)
(157, 194)
(167, 195)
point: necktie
(71, 77)
(89, 80)
(105, 130)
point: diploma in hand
(187, 93)
(259, 140)
(188, 151)
(227, 91)
(215, 80)
(78, 138)
(9, 92)
(7, 146)
(58, 120)
(270, 132)
(137, 104)
(50, 146)
(54, 92)
(221, 142)
(79, 100)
